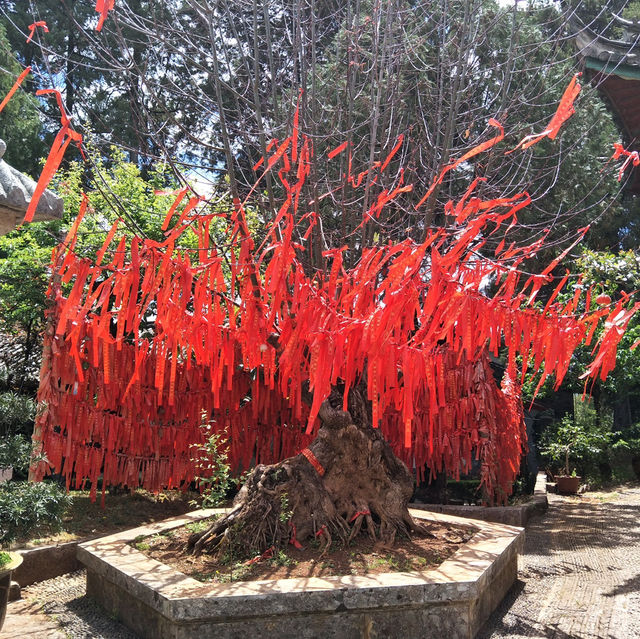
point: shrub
(465, 490)
(214, 472)
(625, 453)
(26, 508)
(580, 441)
(15, 451)
(16, 414)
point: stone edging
(157, 601)
(510, 515)
(46, 562)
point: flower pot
(567, 484)
(5, 583)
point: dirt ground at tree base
(362, 556)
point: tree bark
(347, 477)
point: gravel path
(579, 578)
(62, 599)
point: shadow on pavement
(504, 623)
(626, 587)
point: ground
(579, 579)
(579, 576)
(362, 555)
(85, 518)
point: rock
(14, 591)
(16, 190)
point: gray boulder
(16, 190)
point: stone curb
(157, 601)
(510, 515)
(46, 562)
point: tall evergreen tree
(20, 124)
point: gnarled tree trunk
(347, 477)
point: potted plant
(568, 484)
(571, 439)
(9, 561)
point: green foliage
(280, 558)
(116, 189)
(117, 105)
(632, 11)
(15, 452)
(465, 490)
(214, 472)
(285, 510)
(24, 257)
(16, 414)
(625, 453)
(24, 260)
(20, 125)
(27, 507)
(580, 439)
(5, 558)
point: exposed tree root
(347, 477)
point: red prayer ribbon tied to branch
(412, 318)
(14, 88)
(65, 136)
(631, 157)
(364, 513)
(564, 112)
(34, 26)
(103, 7)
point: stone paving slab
(59, 609)
(579, 574)
(25, 619)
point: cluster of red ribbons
(65, 136)
(152, 341)
(631, 157)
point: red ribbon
(103, 7)
(563, 113)
(14, 88)
(631, 157)
(267, 554)
(293, 540)
(313, 460)
(32, 29)
(58, 148)
(360, 512)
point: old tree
(333, 382)
(333, 307)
